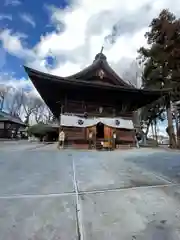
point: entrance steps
(98, 144)
(125, 146)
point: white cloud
(7, 79)
(26, 17)
(80, 32)
(12, 2)
(2, 58)
(13, 44)
(79, 36)
(6, 16)
(85, 25)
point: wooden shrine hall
(93, 100)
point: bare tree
(39, 114)
(4, 89)
(48, 115)
(42, 113)
(30, 104)
(133, 74)
(14, 100)
(39, 110)
(20, 103)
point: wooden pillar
(61, 112)
(136, 120)
(108, 136)
(65, 109)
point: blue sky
(62, 36)
(31, 19)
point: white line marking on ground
(50, 195)
(79, 215)
(128, 188)
(162, 178)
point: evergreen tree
(162, 64)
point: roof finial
(102, 49)
(100, 55)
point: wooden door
(108, 136)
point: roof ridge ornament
(102, 48)
(100, 55)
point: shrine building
(95, 99)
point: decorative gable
(101, 74)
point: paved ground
(46, 194)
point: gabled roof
(100, 63)
(42, 78)
(90, 74)
(5, 117)
(86, 85)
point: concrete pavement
(50, 194)
(20, 145)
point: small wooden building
(10, 125)
(96, 99)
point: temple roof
(98, 72)
(38, 77)
(87, 85)
(100, 64)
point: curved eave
(32, 73)
(78, 75)
(99, 63)
(53, 89)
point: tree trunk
(2, 104)
(177, 128)
(136, 120)
(147, 130)
(170, 128)
(155, 131)
(178, 135)
(27, 119)
(152, 129)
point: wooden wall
(74, 133)
(6, 129)
(93, 109)
(124, 135)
